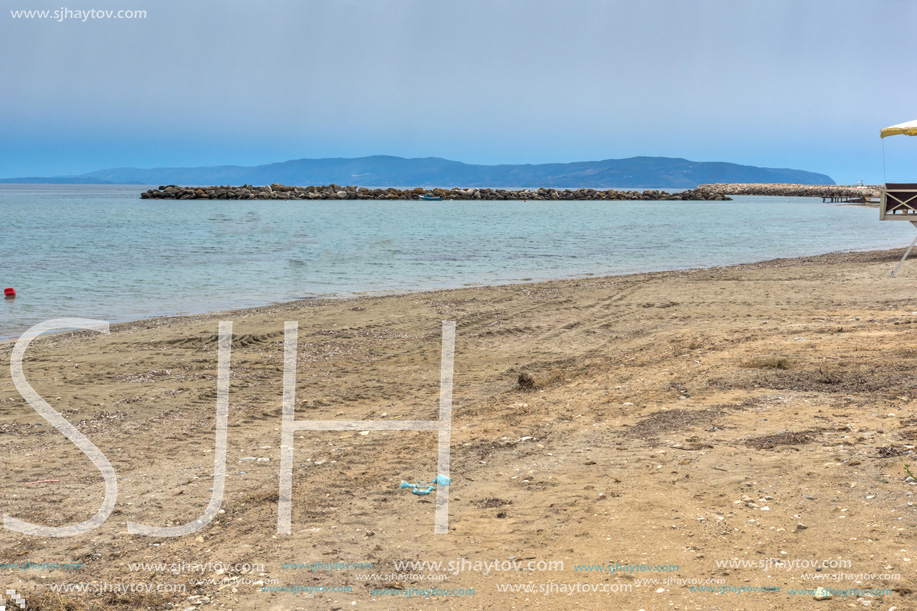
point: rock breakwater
(789, 190)
(276, 191)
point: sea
(101, 252)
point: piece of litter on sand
(424, 488)
(419, 489)
(42, 481)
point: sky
(803, 84)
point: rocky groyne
(787, 190)
(338, 192)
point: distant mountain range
(387, 171)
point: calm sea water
(101, 252)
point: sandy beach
(750, 414)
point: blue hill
(388, 171)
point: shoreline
(517, 242)
(152, 321)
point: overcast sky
(804, 84)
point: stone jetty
(338, 192)
(787, 190)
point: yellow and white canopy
(908, 129)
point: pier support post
(906, 252)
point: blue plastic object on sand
(424, 488)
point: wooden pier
(845, 199)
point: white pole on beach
(906, 252)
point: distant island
(388, 171)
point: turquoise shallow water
(101, 252)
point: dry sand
(756, 412)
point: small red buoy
(9, 292)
